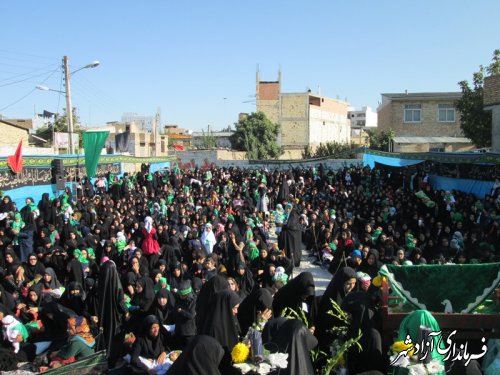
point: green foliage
(339, 346)
(208, 141)
(60, 124)
(332, 362)
(307, 153)
(329, 149)
(475, 121)
(257, 135)
(380, 141)
(295, 314)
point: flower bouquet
(403, 356)
(250, 356)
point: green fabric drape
(411, 326)
(93, 143)
(434, 287)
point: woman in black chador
(298, 293)
(341, 285)
(151, 346)
(111, 310)
(291, 336)
(222, 324)
(256, 303)
(290, 238)
(358, 305)
(208, 290)
(202, 356)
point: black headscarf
(294, 293)
(146, 345)
(201, 356)
(220, 322)
(163, 313)
(258, 300)
(336, 292)
(291, 336)
(74, 302)
(54, 282)
(212, 286)
(30, 270)
(145, 298)
(371, 270)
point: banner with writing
(45, 176)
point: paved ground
(321, 276)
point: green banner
(438, 288)
(93, 143)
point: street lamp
(67, 92)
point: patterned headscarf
(79, 327)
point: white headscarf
(148, 223)
(9, 333)
(121, 236)
(208, 239)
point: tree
(60, 124)
(208, 140)
(329, 149)
(257, 135)
(380, 141)
(474, 120)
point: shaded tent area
(473, 173)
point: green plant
(290, 313)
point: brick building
(423, 122)
(304, 118)
(491, 101)
(12, 133)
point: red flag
(16, 161)
(178, 147)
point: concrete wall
(326, 126)
(224, 158)
(35, 151)
(12, 135)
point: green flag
(93, 142)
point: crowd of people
(168, 270)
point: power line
(27, 79)
(28, 94)
(25, 74)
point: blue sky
(186, 57)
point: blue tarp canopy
(369, 160)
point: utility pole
(69, 108)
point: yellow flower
(240, 353)
(399, 346)
(377, 281)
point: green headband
(184, 292)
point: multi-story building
(492, 103)
(220, 139)
(305, 118)
(361, 120)
(423, 122)
(178, 136)
(132, 139)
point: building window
(446, 113)
(412, 112)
